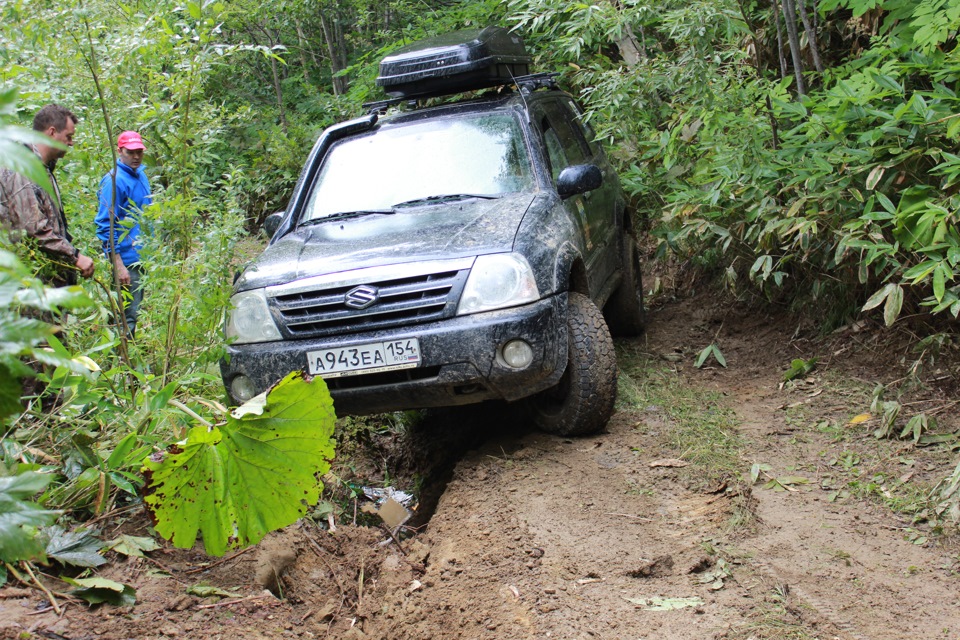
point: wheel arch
(570, 273)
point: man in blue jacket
(124, 194)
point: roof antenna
(526, 107)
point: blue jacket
(133, 196)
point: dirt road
(653, 529)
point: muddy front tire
(582, 402)
(624, 311)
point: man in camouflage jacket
(31, 214)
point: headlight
(249, 319)
(497, 281)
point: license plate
(372, 357)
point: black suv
(450, 254)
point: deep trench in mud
(440, 438)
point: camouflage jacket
(29, 212)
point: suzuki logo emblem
(361, 297)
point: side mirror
(577, 179)
(272, 223)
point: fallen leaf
(98, 590)
(132, 545)
(669, 462)
(863, 417)
(78, 548)
(665, 604)
(207, 591)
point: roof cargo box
(454, 62)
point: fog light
(242, 388)
(517, 354)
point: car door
(594, 211)
(607, 202)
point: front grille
(402, 301)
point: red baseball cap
(130, 140)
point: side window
(588, 133)
(574, 146)
(555, 156)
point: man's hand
(122, 273)
(85, 265)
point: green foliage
(946, 497)
(21, 337)
(917, 426)
(711, 350)
(20, 519)
(775, 483)
(888, 419)
(257, 472)
(798, 368)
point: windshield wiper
(447, 197)
(344, 215)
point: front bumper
(459, 362)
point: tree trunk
(790, 19)
(630, 49)
(335, 47)
(811, 37)
(304, 62)
(759, 68)
(780, 58)
(279, 91)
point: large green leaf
(256, 473)
(20, 518)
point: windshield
(481, 155)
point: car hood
(437, 231)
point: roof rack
(381, 106)
(534, 81)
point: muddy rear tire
(582, 402)
(624, 311)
